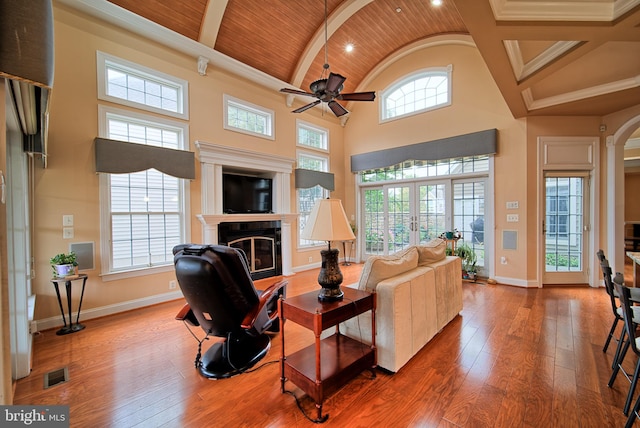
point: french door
(566, 226)
(399, 215)
(396, 216)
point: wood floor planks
(514, 358)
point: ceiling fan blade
(296, 92)
(358, 96)
(334, 82)
(337, 108)
(307, 107)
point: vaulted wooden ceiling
(569, 57)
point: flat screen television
(243, 194)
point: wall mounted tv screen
(244, 194)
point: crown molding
(530, 10)
(523, 70)
(581, 94)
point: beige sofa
(419, 291)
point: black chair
(630, 316)
(613, 297)
(222, 300)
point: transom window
(433, 168)
(242, 116)
(312, 136)
(422, 91)
(124, 82)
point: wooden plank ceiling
(570, 57)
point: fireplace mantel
(213, 159)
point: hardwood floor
(514, 358)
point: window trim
(226, 99)
(411, 77)
(106, 272)
(103, 59)
(310, 126)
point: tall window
(425, 90)
(312, 138)
(242, 116)
(143, 212)
(124, 82)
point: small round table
(71, 327)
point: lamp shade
(328, 222)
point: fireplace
(260, 241)
(277, 248)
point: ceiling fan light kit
(327, 89)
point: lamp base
(330, 276)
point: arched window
(425, 90)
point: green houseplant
(64, 264)
(469, 260)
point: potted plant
(64, 264)
(469, 260)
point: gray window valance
(306, 178)
(119, 157)
(474, 144)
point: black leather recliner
(222, 300)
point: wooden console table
(329, 363)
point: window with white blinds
(308, 197)
(146, 210)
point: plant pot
(65, 270)
(448, 235)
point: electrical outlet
(512, 218)
(172, 285)
(503, 260)
(310, 259)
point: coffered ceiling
(570, 57)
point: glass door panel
(564, 226)
(432, 215)
(400, 221)
(374, 221)
(468, 217)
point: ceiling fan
(327, 89)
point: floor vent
(55, 377)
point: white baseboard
(516, 282)
(53, 322)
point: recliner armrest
(250, 319)
(187, 315)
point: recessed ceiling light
(436, 2)
(348, 47)
(398, 9)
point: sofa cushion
(379, 268)
(433, 251)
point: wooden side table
(71, 327)
(329, 363)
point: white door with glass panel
(565, 228)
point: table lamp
(328, 222)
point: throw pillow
(379, 268)
(433, 251)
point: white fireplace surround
(213, 160)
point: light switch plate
(67, 232)
(67, 220)
(512, 218)
(512, 205)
